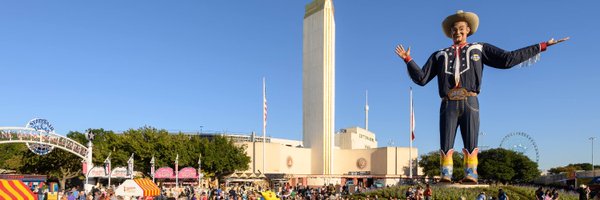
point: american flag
(412, 117)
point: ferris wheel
(523, 143)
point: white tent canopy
(129, 188)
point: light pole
(593, 171)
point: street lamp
(593, 171)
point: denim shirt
(471, 59)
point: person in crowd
(539, 194)
(481, 196)
(502, 195)
(409, 193)
(584, 192)
(548, 195)
(428, 192)
(554, 194)
(419, 193)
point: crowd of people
(540, 194)
(245, 192)
(77, 193)
(419, 193)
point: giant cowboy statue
(459, 71)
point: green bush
(449, 193)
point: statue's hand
(401, 52)
(553, 42)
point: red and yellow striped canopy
(150, 189)
(15, 189)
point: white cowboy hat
(471, 18)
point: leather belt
(457, 94)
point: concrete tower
(318, 84)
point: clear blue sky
(180, 65)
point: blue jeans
(463, 113)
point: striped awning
(15, 189)
(150, 189)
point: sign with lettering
(119, 172)
(45, 128)
(97, 172)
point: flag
(130, 166)
(264, 105)
(107, 165)
(412, 117)
(84, 166)
(152, 166)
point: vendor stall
(150, 189)
(15, 189)
(129, 188)
(137, 188)
(166, 176)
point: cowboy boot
(447, 165)
(470, 166)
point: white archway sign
(39, 136)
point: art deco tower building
(318, 84)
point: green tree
(58, 164)
(506, 166)
(12, 156)
(223, 157)
(430, 163)
(220, 156)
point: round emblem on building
(290, 161)
(361, 163)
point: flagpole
(108, 167)
(152, 168)
(410, 136)
(264, 124)
(200, 171)
(177, 171)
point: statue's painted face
(459, 31)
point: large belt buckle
(457, 94)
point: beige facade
(385, 163)
(355, 138)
